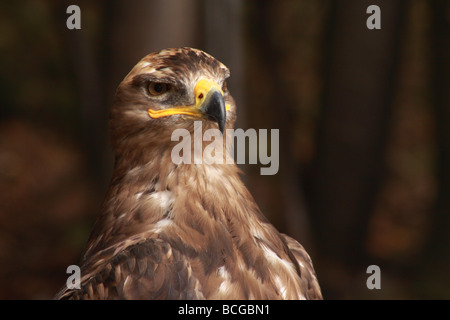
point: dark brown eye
(158, 88)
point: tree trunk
(434, 278)
(359, 85)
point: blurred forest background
(364, 119)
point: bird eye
(158, 88)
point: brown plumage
(182, 231)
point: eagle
(170, 230)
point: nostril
(200, 96)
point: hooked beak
(211, 102)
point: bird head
(169, 90)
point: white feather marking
(126, 281)
(280, 286)
(274, 258)
(161, 225)
(164, 198)
(138, 195)
(223, 273)
(225, 285)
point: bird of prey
(182, 230)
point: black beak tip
(215, 109)
(222, 125)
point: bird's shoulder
(150, 269)
(307, 273)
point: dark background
(364, 120)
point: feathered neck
(149, 191)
